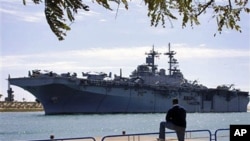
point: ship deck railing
(87, 82)
(127, 84)
(190, 135)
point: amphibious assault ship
(146, 90)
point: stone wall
(20, 106)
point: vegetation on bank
(20, 106)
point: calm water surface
(35, 125)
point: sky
(105, 41)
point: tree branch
(205, 7)
(230, 5)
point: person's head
(175, 101)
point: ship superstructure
(146, 90)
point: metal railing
(220, 130)
(139, 136)
(65, 139)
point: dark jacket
(177, 115)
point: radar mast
(172, 61)
(150, 60)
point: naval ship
(146, 90)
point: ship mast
(150, 60)
(172, 61)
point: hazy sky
(99, 41)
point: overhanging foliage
(227, 13)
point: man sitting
(175, 120)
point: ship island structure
(146, 90)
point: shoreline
(29, 107)
(20, 106)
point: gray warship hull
(62, 95)
(146, 90)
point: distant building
(10, 97)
